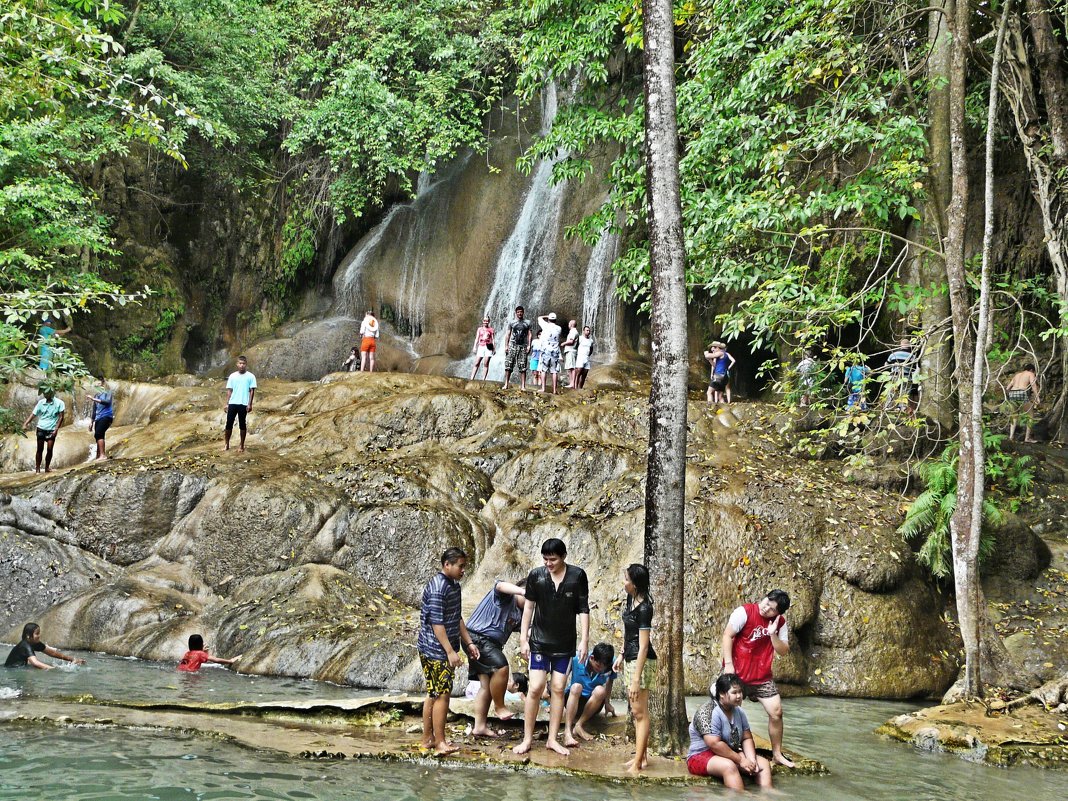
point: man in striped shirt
(441, 630)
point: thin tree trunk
(965, 572)
(966, 524)
(936, 359)
(665, 513)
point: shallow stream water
(80, 764)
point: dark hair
(724, 683)
(519, 308)
(639, 577)
(1029, 367)
(604, 653)
(452, 555)
(242, 359)
(196, 642)
(522, 683)
(28, 630)
(522, 582)
(780, 599)
(553, 547)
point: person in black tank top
(639, 659)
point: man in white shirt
(240, 391)
(550, 348)
(369, 330)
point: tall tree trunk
(970, 350)
(936, 360)
(1045, 150)
(665, 500)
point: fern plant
(929, 515)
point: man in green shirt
(49, 412)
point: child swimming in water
(197, 656)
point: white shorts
(483, 352)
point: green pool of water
(97, 764)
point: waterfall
(524, 269)
(600, 307)
(410, 228)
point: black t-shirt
(636, 618)
(22, 652)
(520, 333)
(552, 632)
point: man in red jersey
(754, 634)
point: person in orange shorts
(369, 331)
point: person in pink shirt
(197, 656)
(483, 348)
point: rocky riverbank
(309, 551)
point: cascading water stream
(600, 308)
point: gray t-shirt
(710, 719)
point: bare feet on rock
(522, 748)
(553, 745)
(444, 749)
(488, 732)
(570, 741)
(779, 759)
(504, 713)
(581, 732)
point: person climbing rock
(557, 595)
(49, 412)
(240, 392)
(517, 348)
(497, 615)
(352, 362)
(1022, 393)
(25, 653)
(441, 630)
(754, 634)
(369, 331)
(46, 332)
(549, 363)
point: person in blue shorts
(556, 595)
(101, 418)
(591, 689)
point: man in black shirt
(25, 652)
(517, 348)
(556, 594)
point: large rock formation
(309, 552)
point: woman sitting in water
(197, 656)
(721, 742)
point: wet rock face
(310, 551)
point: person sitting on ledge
(721, 742)
(25, 653)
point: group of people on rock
(550, 609)
(50, 412)
(543, 355)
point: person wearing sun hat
(550, 347)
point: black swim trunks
(100, 427)
(236, 410)
(491, 657)
(44, 435)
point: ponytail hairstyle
(639, 577)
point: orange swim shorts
(368, 344)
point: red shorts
(368, 344)
(698, 763)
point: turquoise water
(113, 677)
(102, 764)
